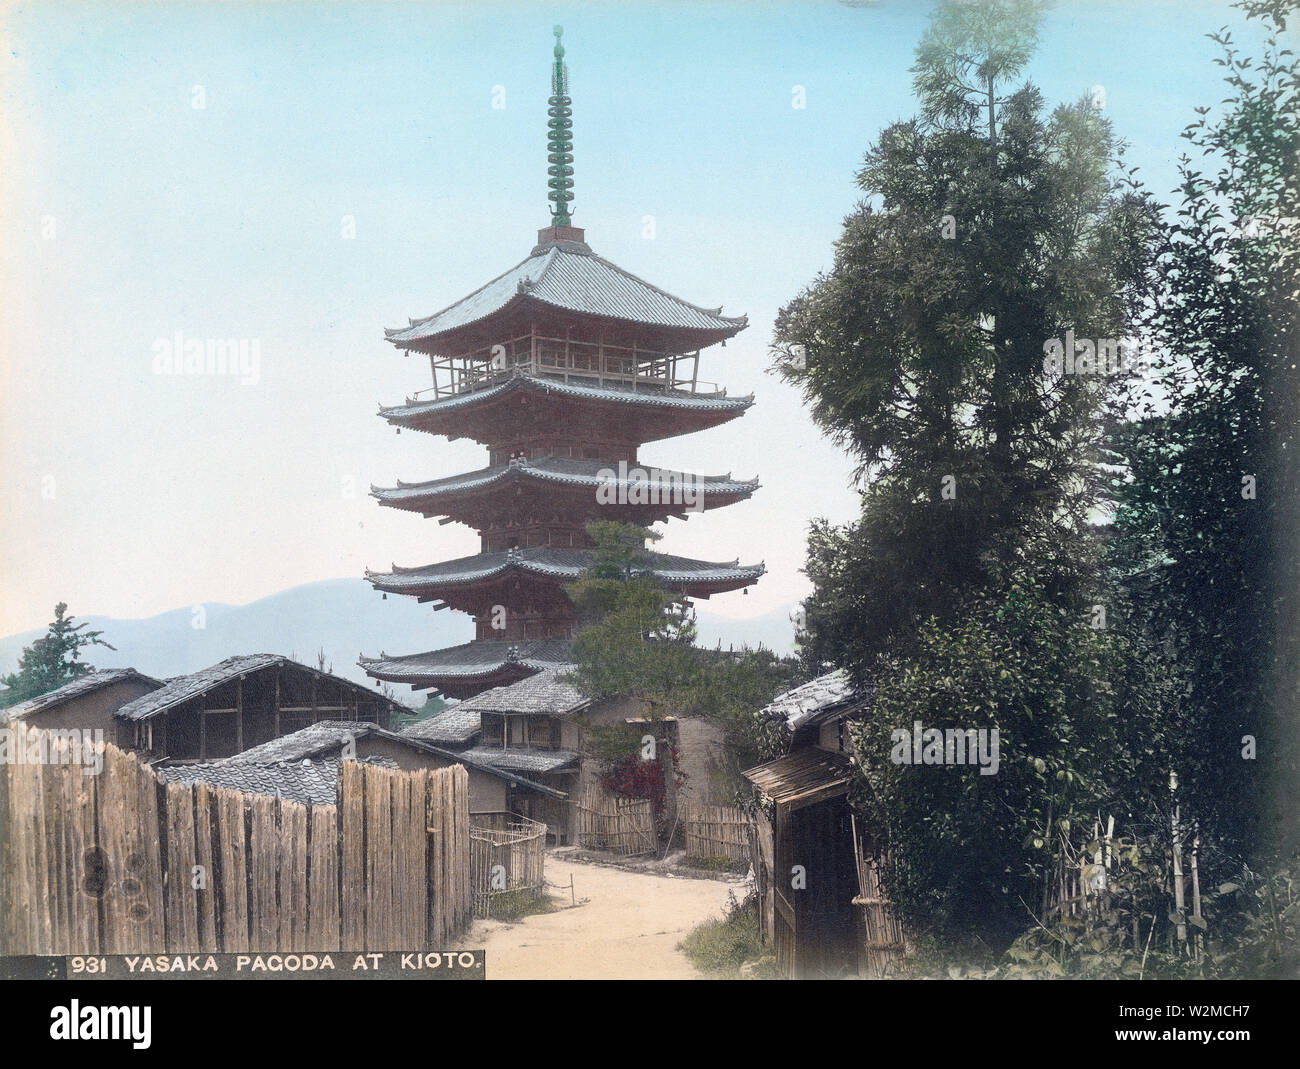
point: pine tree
(52, 660)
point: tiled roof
(522, 759)
(310, 782)
(556, 563)
(825, 695)
(325, 738)
(543, 693)
(453, 725)
(573, 278)
(481, 658)
(84, 684)
(183, 688)
(321, 737)
(660, 484)
(643, 395)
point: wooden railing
(566, 360)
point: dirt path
(627, 930)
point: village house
(810, 845)
(239, 703)
(87, 703)
(491, 789)
(538, 726)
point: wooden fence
(607, 821)
(507, 858)
(885, 940)
(122, 863)
(716, 831)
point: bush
(720, 947)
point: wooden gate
(507, 859)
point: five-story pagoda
(563, 367)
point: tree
(638, 641)
(967, 589)
(53, 659)
(988, 229)
(1206, 522)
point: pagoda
(563, 367)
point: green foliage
(512, 906)
(433, 705)
(720, 947)
(1077, 712)
(52, 660)
(921, 351)
(639, 642)
(1214, 572)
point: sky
(301, 175)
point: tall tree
(988, 228)
(1207, 520)
(53, 659)
(969, 588)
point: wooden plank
(323, 893)
(262, 849)
(182, 907)
(353, 868)
(296, 826)
(205, 897)
(144, 840)
(379, 846)
(85, 906)
(233, 876)
(44, 863)
(111, 836)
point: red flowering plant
(635, 777)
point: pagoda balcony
(587, 363)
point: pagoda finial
(560, 138)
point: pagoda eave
(643, 414)
(545, 566)
(463, 671)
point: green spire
(560, 138)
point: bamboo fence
(507, 857)
(716, 831)
(622, 825)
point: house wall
(275, 701)
(833, 736)
(93, 711)
(700, 749)
(487, 793)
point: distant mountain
(343, 616)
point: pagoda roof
(455, 414)
(472, 667)
(568, 276)
(661, 486)
(561, 564)
(544, 693)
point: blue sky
(129, 214)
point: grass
(716, 864)
(718, 948)
(516, 905)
